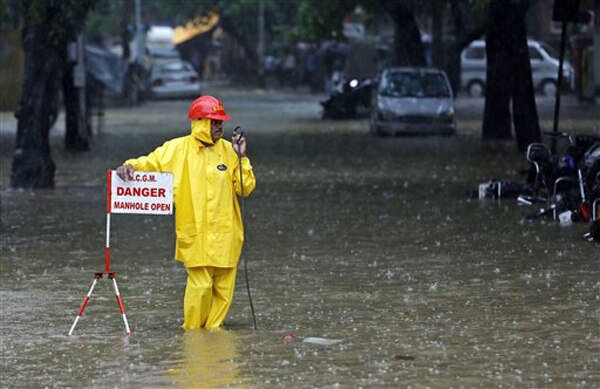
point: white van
(544, 68)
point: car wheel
(449, 132)
(374, 129)
(475, 89)
(549, 88)
(380, 133)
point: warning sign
(147, 193)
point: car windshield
(414, 84)
(160, 52)
(174, 67)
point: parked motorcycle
(353, 101)
(566, 184)
(563, 182)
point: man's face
(216, 129)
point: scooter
(561, 180)
(353, 101)
(593, 233)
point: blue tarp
(106, 67)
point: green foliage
(322, 19)
(60, 18)
(105, 18)
(481, 4)
(241, 16)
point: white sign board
(354, 30)
(147, 193)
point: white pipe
(108, 230)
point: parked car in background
(412, 100)
(163, 53)
(174, 79)
(544, 68)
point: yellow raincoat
(208, 221)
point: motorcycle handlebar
(557, 134)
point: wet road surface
(370, 241)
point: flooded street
(370, 241)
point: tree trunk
(437, 35)
(509, 76)
(499, 77)
(125, 35)
(462, 38)
(408, 47)
(251, 65)
(525, 116)
(76, 122)
(32, 165)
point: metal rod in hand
(239, 153)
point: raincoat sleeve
(160, 160)
(248, 178)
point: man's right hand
(125, 172)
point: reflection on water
(209, 360)
(370, 241)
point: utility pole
(559, 84)
(261, 43)
(139, 41)
(138, 58)
(80, 83)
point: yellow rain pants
(208, 295)
(208, 221)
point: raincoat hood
(201, 130)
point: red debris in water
(288, 337)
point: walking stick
(239, 153)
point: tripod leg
(85, 301)
(121, 306)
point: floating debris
(321, 341)
(401, 357)
(288, 337)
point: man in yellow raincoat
(208, 221)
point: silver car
(544, 68)
(174, 78)
(414, 101)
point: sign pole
(109, 274)
(108, 202)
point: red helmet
(207, 107)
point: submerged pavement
(370, 242)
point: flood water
(370, 241)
